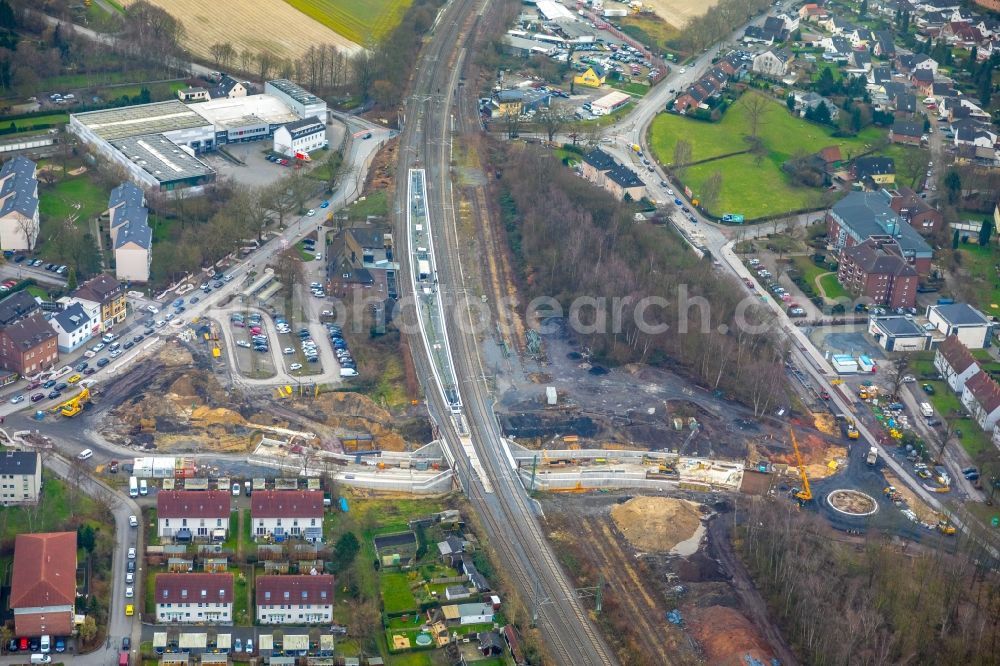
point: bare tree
(755, 106)
(512, 124)
(898, 369)
(264, 64)
(682, 156)
(246, 60)
(29, 227)
(711, 189)
(552, 120)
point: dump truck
(872, 456)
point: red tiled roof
(956, 354)
(985, 390)
(44, 570)
(192, 504)
(308, 590)
(179, 588)
(40, 624)
(286, 504)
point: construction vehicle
(74, 405)
(872, 456)
(944, 526)
(805, 493)
(893, 495)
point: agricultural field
(252, 27)
(357, 20)
(748, 188)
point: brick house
(906, 131)
(955, 363)
(28, 345)
(877, 270)
(294, 599)
(43, 583)
(916, 211)
(863, 215)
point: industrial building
(158, 144)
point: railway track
(431, 117)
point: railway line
(473, 438)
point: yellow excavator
(805, 494)
(74, 405)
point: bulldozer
(74, 405)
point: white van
(86, 453)
(41, 659)
(926, 409)
(143, 488)
(133, 487)
(46, 644)
(348, 372)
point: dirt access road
(751, 603)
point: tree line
(873, 604)
(718, 22)
(574, 240)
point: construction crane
(805, 494)
(74, 405)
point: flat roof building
(300, 100)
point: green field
(747, 188)
(75, 195)
(983, 282)
(396, 593)
(361, 21)
(28, 124)
(832, 287)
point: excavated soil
(821, 457)
(656, 524)
(726, 636)
(852, 501)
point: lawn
(832, 287)
(396, 594)
(944, 400)
(376, 203)
(361, 21)
(973, 439)
(53, 510)
(749, 188)
(303, 254)
(74, 195)
(414, 659)
(38, 292)
(50, 119)
(911, 163)
(808, 269)
(632, 88)
(982, 284)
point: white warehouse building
(300, 138)
(298, 99)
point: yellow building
(109, 294)
(593, 77)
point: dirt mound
(206, 415)
(656, 524)
(726, 636)
(353, 413)
(821, 458)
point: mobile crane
(805, 494)
(74, 405)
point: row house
(916, 211)
(281, 514)
(194, 598)
(108, 295)
(602, 170)
(186, 515)
(294, 599)
(19, 221)
(982, 398)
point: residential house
(813, 13)
(231, 88)
(982, 398)
(596, 164)
(878, 77)
(970, 326)
(131, 235)
(755, 34)
(43, 584)
(837, 25)
(911, 207)
(877, 270)
(109, 294)
(299, 599)
(863, 215)
(975, 134)
(772, 63)
(836, 49)
(29, 345)
(592, 77)
(905, 104)
(879, 170)
(832, 158)
(17, 306)
(363, 256)
(193, 94)
(18, 205)
(885, 46)
(691, 98)
(74, 327)
(860, 38)
(300, 137)
(898, 333)
(519, 101)
(912, 62)
(622, 182)
(194, 598)
(490, 643)
(20, 477)
(775, 26)
(451, 550)
(474, 613)
(861, 60)
(962, 33)
(282, 514)
(906, 131)
(955, 363)
(809, 101)
(922, 81)
(186, 515)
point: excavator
(74, 405)
(805, 494)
